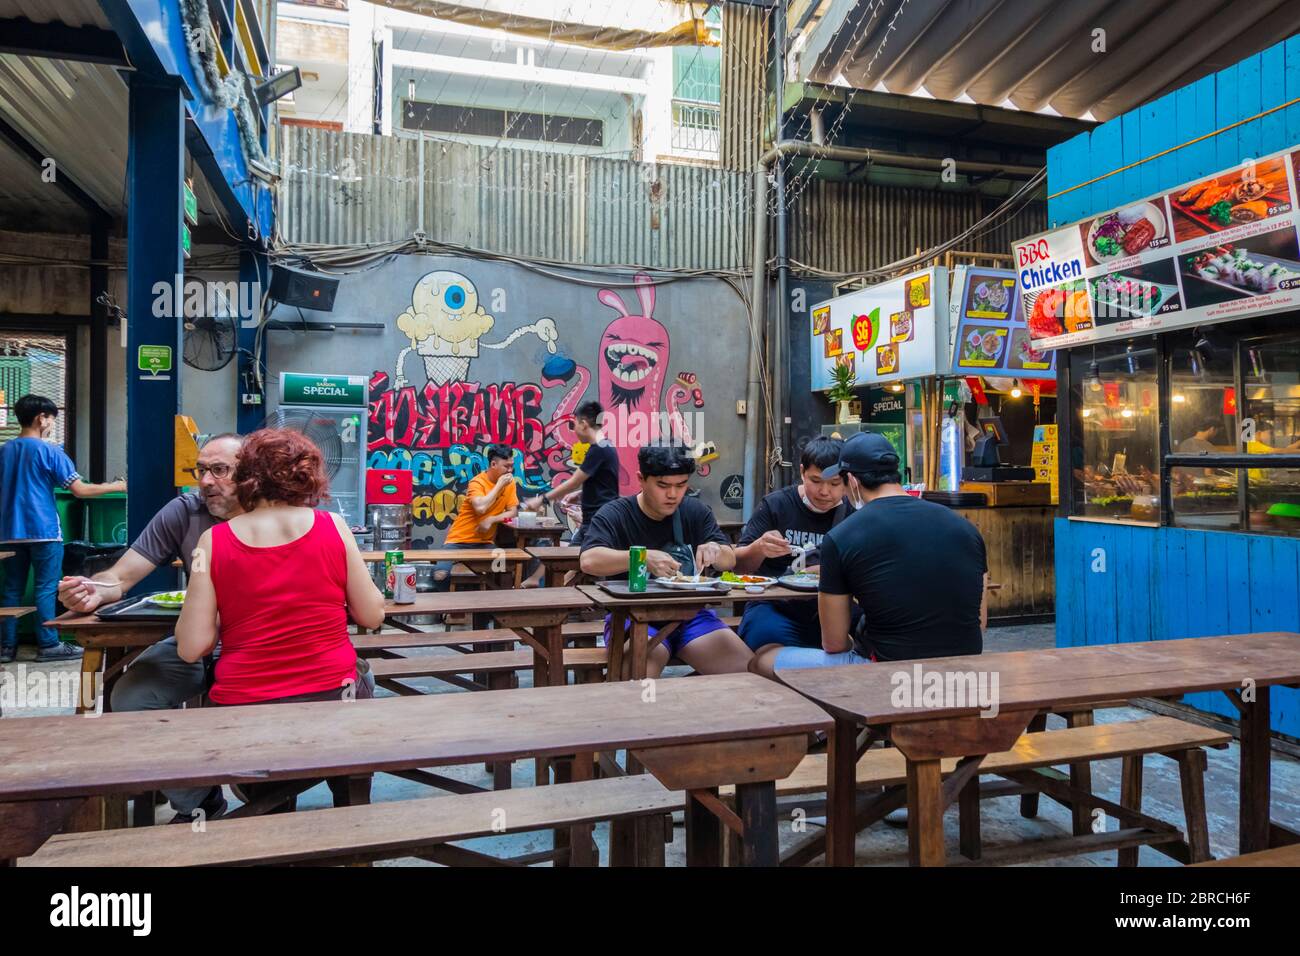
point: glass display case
(1194, 429)
(1115, 440)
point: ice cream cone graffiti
(445, 323)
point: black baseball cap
(866, 453)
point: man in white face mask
(788, 522)
(916, 569)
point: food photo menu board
(885, 332)
(989, 334)
(1218, 248)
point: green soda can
(637, 573)
(391, 560)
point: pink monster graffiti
(632, 366)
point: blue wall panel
(1168, 583)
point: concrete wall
(46, 289)
(433, 412)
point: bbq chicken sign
(1214, 249)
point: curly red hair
(279, 464)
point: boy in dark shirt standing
(679, 535)
(597, 476)
(917, 569)
(795, 517)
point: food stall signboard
(1207, 251)
(989, 332)
(885, 332)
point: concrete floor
(882, 844)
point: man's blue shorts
(705, 622)
(766, 622)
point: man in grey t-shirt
(158, 679)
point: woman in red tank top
(278, 583)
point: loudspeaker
(304, 290)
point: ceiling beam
(58, 41)
(61, 181)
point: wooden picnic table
(1243, 666)
(558, 562)
(16, 611)
(535, 616)
(527, 537)
(667, 613)
(498, 567)
(698, 735)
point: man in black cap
(917, 569)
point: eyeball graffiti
(445, 322)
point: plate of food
(1134, 295)
(692, 582)
(746, 580)
(803, 581)
(173, 600)
(1125, 232)
(989, 296)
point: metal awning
(1088, 59)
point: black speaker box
(303, 290)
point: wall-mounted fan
(323, 432)
(210, 342)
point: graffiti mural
(632, 363)
(476, 353)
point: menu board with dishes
(1207, 251)
(885, 332)
(989, 334)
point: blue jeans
(45, 559)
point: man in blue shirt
(30, 468)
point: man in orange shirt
(490, 499)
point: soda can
(391, 560)
(637, 573)
(403, 579)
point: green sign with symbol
(298, 388)
(191, 205)
(154, 358)
(185, 240)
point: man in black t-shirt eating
(680, 535)
(597, 476)
(795, 517)
(917, 569)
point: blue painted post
(254, 273)
(155, 171)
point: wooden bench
(1278, 856)
(423, 828)
(1027, 766)
(389, 672)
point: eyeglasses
(219, 470)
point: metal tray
(619, 589)
(136, 609)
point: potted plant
(843, 381)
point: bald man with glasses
(158, 679)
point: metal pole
(781, 315)
(757, 298)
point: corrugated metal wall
(851, 227)
(745, 51)
(355, 188)
(345, 188)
